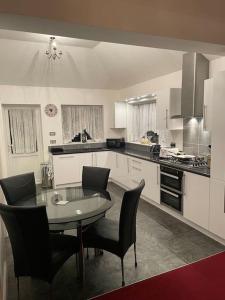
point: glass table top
(71, 204)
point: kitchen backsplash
(195, 139)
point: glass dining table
(72, 208)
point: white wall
(172, 80)
(45, 95)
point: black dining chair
(36, 252)
(19, 187)
(19, 190)
(117, 237)
(95, 178)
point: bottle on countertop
(84, 137)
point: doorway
(23, 137)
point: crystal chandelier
(53, 52)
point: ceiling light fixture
(52, 52)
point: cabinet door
(218, 125)
(207, 109)
(135, 172)
(120, 114)
(196, 199)
(217, 208)
(162, 110)
(65, 171)
(153, 185)
(121, 171)
(102, 159)
(82, 159)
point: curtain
(76, 118)
(143, 119)
(23, 130)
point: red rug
(203, 280)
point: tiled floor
(163, 243)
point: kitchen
(131, 123)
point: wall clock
(51, 110)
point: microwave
(115, 143)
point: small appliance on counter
(155, 149)
(115, 143)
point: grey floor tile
(163, 243)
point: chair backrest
(18, 187)
(29, 236)
(95, 178)
(127, 225)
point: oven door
(171, 179)
(171, 199)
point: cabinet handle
(63, 157)
(170, 193)
(169, 175)
(116, 160)
(166, 118)
(137, 161)
(135, 168)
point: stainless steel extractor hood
(194, 71)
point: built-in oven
(171, 187)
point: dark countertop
(203, 171)
(74, 151)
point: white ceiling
(84, 64)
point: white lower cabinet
(64, 169)
(217, 208)
(196, 199)
(120, 168)
(68, 168)
(100, 159)
(142, 169)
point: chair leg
(135, 255)
(87, 254)
(18, 288)
(50, 292)
(122, 267)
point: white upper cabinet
(207, 108)
(120, 114)
(218, 128)
(196, 199)
(168, 105)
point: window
(23, 130)
(76, 118)
(142, 119)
